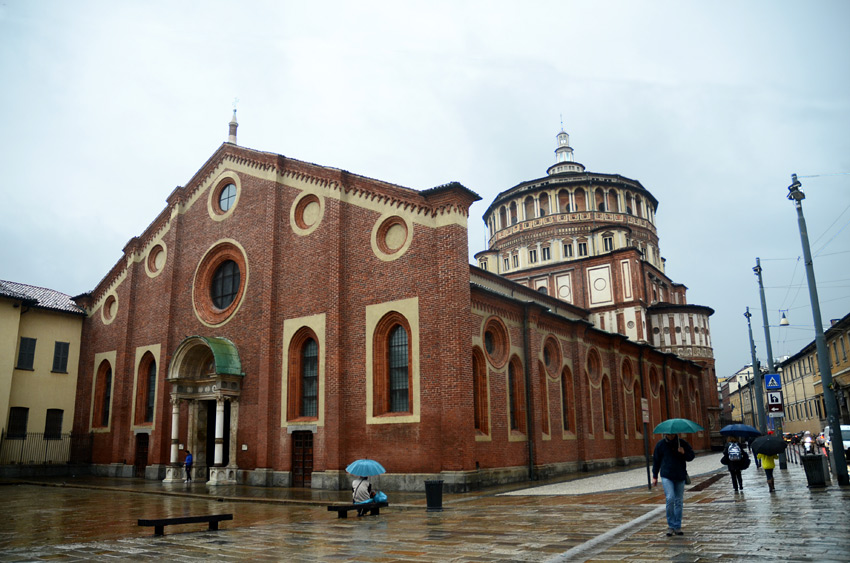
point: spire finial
(231, 137)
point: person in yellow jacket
(768, 463)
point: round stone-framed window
(496, 341)
(220, 281)
(156, 260)
(306, 213)
(224, 196)
(391, 237)
(109, 309)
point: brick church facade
(281, 319)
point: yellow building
(40, 331)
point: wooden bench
(160, 523)
(374, 508)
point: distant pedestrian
(736, 460)
(188, 465)
(670, 460)
(768, 463)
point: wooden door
(302, 459)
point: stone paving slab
(793, 524)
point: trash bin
(817, 470)
(434, 495)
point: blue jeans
(675, 493)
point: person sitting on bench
(361, 492)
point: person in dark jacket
(670, 460)
(736, 460)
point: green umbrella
(678, 426)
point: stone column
(173, 471)
(219, 431)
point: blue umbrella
(743, 430)
(365, 468)
(678, 426)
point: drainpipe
(526, 350)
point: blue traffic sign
(772, 381)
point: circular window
(630, 324)
(391, 238)
(109, 309)
(220, 281)
(225, 284)
(227, 197)
(306, 213)
(224, 197)
(496, 342)
(156, 260)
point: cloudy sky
(107, 106)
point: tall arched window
(303, 376)
(544, 398)
(398, 362)
(479, 395)
(638, 393)
(103, 395)
(391, 371)
(607, 406)
(310, 379)
(567, 415)
(150, 396)
(513, 213)
(516, 391)
(503, 217)
(145, 390)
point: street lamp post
(771, 365)
(830, 403)
(757, 374)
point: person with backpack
(736, 460)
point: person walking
(670, 460)
(188, 465)
(768, 463)
(736, 460)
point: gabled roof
(40, 297)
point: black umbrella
(743, 430)
(768, 445)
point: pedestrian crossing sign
(772, 381)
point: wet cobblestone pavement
(94, 519)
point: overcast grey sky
(107, 106)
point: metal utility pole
(771, 364)
(757, 374)
(830, 403)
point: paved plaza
(608, 517)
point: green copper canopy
(226, 355)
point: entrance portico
(206, 373)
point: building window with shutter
(26, 353)
(60, 357)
